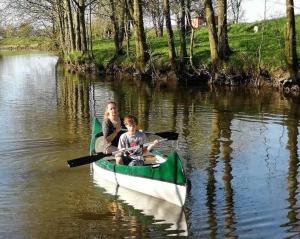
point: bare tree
(171, 44)
(136, 13)
(71, 24)
(290, 41)
(155, 10)
(223, 45)
(236, 10)
(212, 31)
(182, 31)
(117, 18)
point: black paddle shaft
(86, 160)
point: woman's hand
(118, 128)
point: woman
(111, 128)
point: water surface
(239, 149)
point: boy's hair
(130, 119)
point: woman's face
(112, 109)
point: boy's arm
(121, 143)
(155, 142)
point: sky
(254, 9)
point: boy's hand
(155, 142)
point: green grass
(244, 43)
(242, 40)
(23, 42)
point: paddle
(169, 135)
(93, 158)
(86, 160)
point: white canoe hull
(163, 212)
(167, 191)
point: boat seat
(150, 159)
(154, 160)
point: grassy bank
(243, 41)
(23, 43)
(249, 48)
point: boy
(133, 137)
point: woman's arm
(108, 132)
(112, 136)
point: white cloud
(254, 9)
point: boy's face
(131, 127)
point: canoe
(164, 178)
(163, 212)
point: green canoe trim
(96, 130)
(169, 171)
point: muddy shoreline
(277, 79)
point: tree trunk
(212, 32)
(71, 25)
(83, 37)
(182, 32)
(171, 45)
(142, 55)
(121, 24)
(61, 30)
(127, 29)
(161, 27)
(116, 27)
(67, 33)
(223, 46)
(290, 40)
(188, 17)
(155, 23)
(78, 30)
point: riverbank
(26, 43)
(257, 57)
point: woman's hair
(106, 109)
(130, 119)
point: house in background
(198, 22)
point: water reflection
(292, 181)
(240, 149)
(220, 151)
(166, 216)
(73, 95)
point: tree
(117, 18)
(212, 32)
(155, 10)
(71, 24)
(171, 44)
(290, 41)
(182, 32)
(235, 7)
(142, 55)
(223, 46)
(81, 26)
(25, 29)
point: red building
(198, 22)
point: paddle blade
(86, 160)
(168, 135)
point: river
(239, 149)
